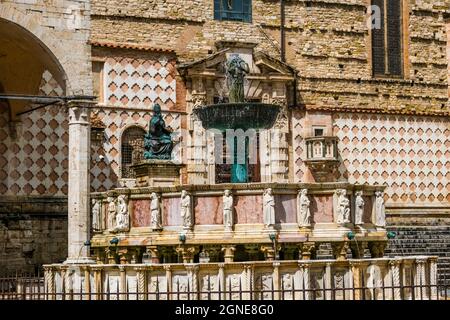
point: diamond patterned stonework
(35, 162)
(140, 82)
(411, 155)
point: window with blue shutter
(387, 40)
(233, 10)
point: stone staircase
(423, 240)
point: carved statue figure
(186, 209)
(236, 69)
(228, 210)
(380, 214)
(269, 207)
(158, 142)
(343, 207)
(304, 218)
(96, 207)
(122, 218)
(155, 209)
(359, 208)
(112, 212)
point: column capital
(355, 263)
(140, 269)
(433, 259)
(167, 267)
(303, 265)
(421, 260)
(395, 262)
(79, 113)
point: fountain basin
(242, 115)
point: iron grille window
(234, 10)
(387, 39)
(132, 149)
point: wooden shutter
(378, 43)
(394, 36)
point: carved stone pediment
(261, 65)
(268, 76)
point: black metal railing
(31, 287)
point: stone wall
(33, 231)
(55, 21)
(328, 42)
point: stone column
(187, 252)
(407, 275)
(193, 279)
(123, 283)
(168, 270)
(340, 250)
(420, 280)
(141, 287)
(276, 280)
(395, 273)
(97, 281)
(124, 256)
(356, 272)
(328, 281)
(306, 250)
(49, 282)
(228, 253)
(87, 283)
(63, 281)
(222, 280)
(111, 253)
(433, 278)
(306, 280)
(79, 223)
(269, 252)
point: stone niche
(269, 81)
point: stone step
(423, 240)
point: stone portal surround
(208, 280)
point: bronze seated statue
(158, 142)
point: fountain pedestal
(157, 173)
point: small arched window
(132, 149)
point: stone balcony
(322, 154)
